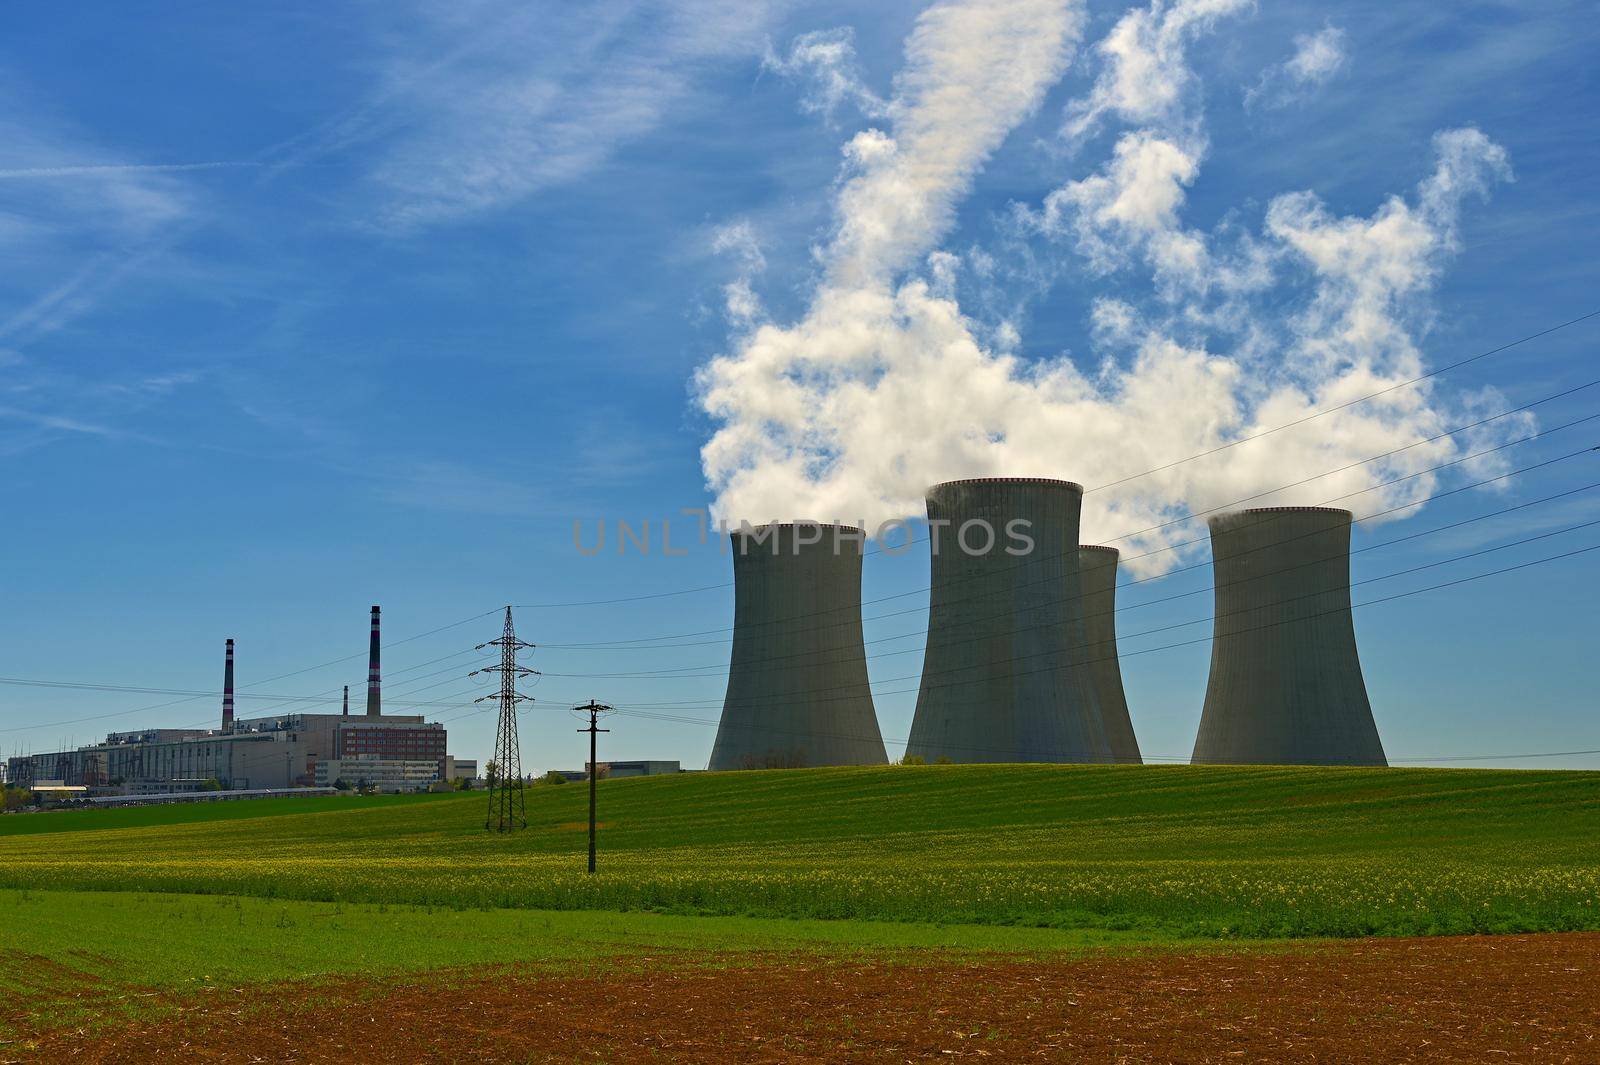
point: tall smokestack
(227, 691)
(1286, 685)
(1002, 679)
(374, 679)
(347, 700)
(797, 681)
(1097, 570)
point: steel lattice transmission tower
(507, 810)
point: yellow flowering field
(1184, 850)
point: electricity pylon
(507, 810)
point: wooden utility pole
(594, 710)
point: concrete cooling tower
(1286, 685)
(797, 681)
(1002, 679)
(1097, 569)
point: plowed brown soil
(1510, 998)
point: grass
(187, 813)
(93, 958)
(1161, 851)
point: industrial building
(278, 751)
(1002, 679)
(1286, 685)
(618, 770)
(797, 678)
(1097, 572)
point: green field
(1163, 852)
(70, 957)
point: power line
(635, 710)
(1189, 458)
(683, 672)
(192, 696)
(86, 686)
(1149, 632)
(631, 644)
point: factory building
(284, 751)
(277, 751)
(381, 774)
(619, 770)
(1286, 685)
(1097, 572)
(797, 679)
(1003, 677)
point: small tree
(341, 784)
(913, 759)
(491, 773)
(16, 798)
(553, 777)
(211, 784)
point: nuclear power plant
(797, 693)
(1002, 677)
(1286, 685)
(1097, 573)
(1020, 664)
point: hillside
(1183, 850)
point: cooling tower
(1286, 685)
(1097, 570)
(999, 680)
(374, 677)
(227, 690)
(797, 681)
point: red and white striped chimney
(227, 691)
(374, 681)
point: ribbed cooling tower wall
(998, 679)
(1097, 569)
(797, 682)
(1286, 685)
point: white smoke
(883, 387)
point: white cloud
(738, 241)
(111, 169)
(1317, 58)
(452, 486)
(972, 72)
(1130, 210)
(526, 98)
(883, 386)
(825, 61)
(1133, 206)
(78, 217)
(1144, 75)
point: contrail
(112, 168)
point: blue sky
(313, 308)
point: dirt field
(1512, 998)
